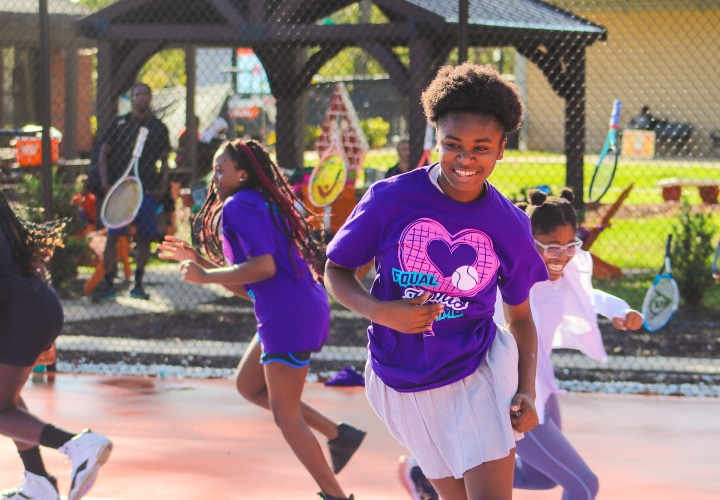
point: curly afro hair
(473, 88)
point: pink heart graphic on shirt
(463, 263)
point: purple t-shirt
(424, 241)
(292, 308)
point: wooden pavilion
(282, 32)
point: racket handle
(140, 142)
(615, 116)
(667, 253)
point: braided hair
(31, 244)
(548, 212)
(265, 176)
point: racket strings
(602, 177)
(661, 303)
(123, 203)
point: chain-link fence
(276, 70)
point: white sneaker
(88, 453)
(33, 487)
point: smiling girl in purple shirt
(449, 385)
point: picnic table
(672, 188)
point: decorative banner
(341, 115)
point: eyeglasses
(554, 251)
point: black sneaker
(328, 497)
(415, 482)
(104, 294)
(344, 445)
(139, 293)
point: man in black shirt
(116, 148)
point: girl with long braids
(260, 247)
(31, 317)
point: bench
(672, 189)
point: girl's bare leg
(449, 488)
(15, 421)
(285, 385)
(252, 386)
(488, 481)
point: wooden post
(190, 124)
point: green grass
(520, 171)
(633, 289)
(635, 244)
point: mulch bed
(691, 334)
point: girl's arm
(253, 270)
(519, 321)
(405, 316)
(173, 248)
(617, 310)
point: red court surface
(197, 439)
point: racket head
(660, 304)
(607, 162)
(327, 180)
(603, 174)
(122, 203)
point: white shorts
(454, 428)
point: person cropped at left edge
(116, 149)
(261, 249)
(31, 318)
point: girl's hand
(407, 315)
(192, 272)
(633, 320)
(173, 248)
(523, 415)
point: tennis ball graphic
(465, 278)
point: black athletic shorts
(30, 321)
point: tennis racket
(427, 145)
(715, 268)
(607, 162)
(329, 176)
(661, 300)
(122, 202)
